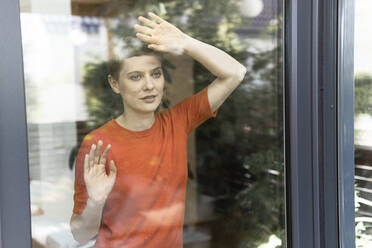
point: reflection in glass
(235, 189)
(362, 124)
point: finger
(86, 164)
(97, 152)
(145, 38)
(104, 154)
(147, 22)
(143, 29)
(159, 48)
(91, 155)
(112, 168)
(158, 19)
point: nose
(149, 84)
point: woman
(137, 199)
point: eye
(157, 74)
(135, 77)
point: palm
(161, 35)
(98, 183)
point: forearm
(85, 226)
(218, 62)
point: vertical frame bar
(15, 230)
(311, 177)
(311, 124)
(346, 123)
(327, 67)
(301, 223)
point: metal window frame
(15, 226)
(346, 167)
(318, 124)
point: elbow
(241, 71)
(239, 74)
(76, 232)
(78, 238)
(80, 241)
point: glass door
(75, 51)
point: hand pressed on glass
(161, 35)
(98, 183)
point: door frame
(346, 165)
(318, 126)
(319, 123)
(15, 217)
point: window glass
(362, 124)
(183, 172)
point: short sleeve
(80, 191)
(193, 111)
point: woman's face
(141, 83)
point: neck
(136, 121)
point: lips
(149, 98)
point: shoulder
(191, 103)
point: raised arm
(164, 37)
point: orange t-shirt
(146, 205)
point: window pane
(89, 78)
(362, 124)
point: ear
(114, 84)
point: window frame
(346, 165)
(319, 123)
(15, 213)
(318, 126)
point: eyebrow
(159, 67)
